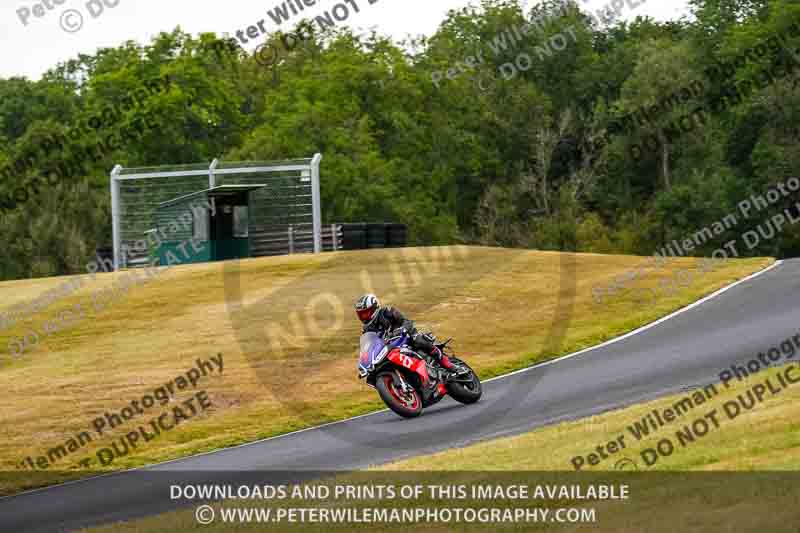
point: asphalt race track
(687, 350)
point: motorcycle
(408, 381)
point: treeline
(608, 137)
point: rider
(382, 319)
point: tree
(653, 96)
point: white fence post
(334, 237)
(212, 181)
(115, 218)
(291, 239)
(315, 201)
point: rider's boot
(445, 362)
(443, 359)
(425, 344)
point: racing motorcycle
(406, 380)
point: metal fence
(348, 236)
(296, 239)
(290, 199)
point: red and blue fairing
(373, 351)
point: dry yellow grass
(506, 308)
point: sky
(36, 35)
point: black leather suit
(388, 318)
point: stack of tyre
(382, 235)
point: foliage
(527, 162)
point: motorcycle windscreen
(371, 350)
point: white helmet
(367, 308)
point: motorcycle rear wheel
(466, 389)
(405, 404)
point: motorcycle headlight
(380, 357)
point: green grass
(500, 305)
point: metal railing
(295, 239)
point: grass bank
(289, 339)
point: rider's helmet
(367, 308)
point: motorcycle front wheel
(406, 404)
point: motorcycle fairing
(406, 359)
(372, 350)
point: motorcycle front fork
(405, 386)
